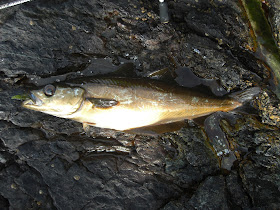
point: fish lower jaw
(28, 103)
(33, 102)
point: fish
(128, 103)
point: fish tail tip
(246, 95)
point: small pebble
(13, 186)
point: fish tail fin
(245, 96)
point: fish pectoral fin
(103, 102)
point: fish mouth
(32, 101)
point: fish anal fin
(142, 131)
(103, 103)
(200, 120)
(155, 130)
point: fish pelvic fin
(86, 127)
(245, 95)
(156, 130)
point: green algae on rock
(20, 97)
(266, 44)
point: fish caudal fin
(245, 95)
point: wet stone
(11, 179)
(262, 173)
(13, 136)
(268, 107)
(210, 194)
(193, 159)
(31, 184)
(260, 167)
(238, 196)
(218, 139)
(274, 8)
(215, 134)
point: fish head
(57, 101)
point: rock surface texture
(233, 162)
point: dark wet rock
(41, 29)
(272, 9)
(262, 184)
(23, 188)
(13, 136)
(215, 134)
(218, 140)
(260, 174)
(193, 160)
(269, 108)
(227, 32)
(210, 194)
(259, 166)
(95, 179)
(237, 195)
(50, 163)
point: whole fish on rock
(125, 103)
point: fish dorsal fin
(164, 74)
(103, 103)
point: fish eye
(49, 90)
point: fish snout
(32, 101)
